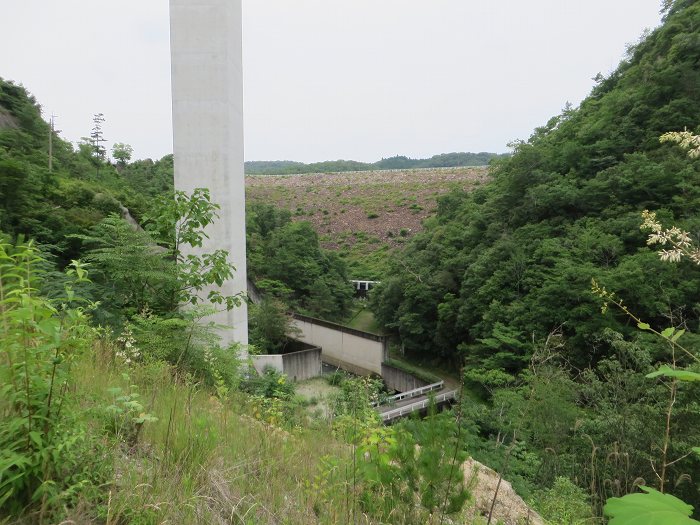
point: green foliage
(150, 178)
(270, 384)
(410, 473)
(122, 153)
(134, 274)
(42, 446)
(564, 503)
(650, 508)
(180, 221)
(440, 480)
(131, 274)
(269, 326)
(682, 375)
(285, 259)
(126, 414)
(356, 398)
(272, 399)
(189, 343)
(676, 244)
(335, 378)
(52, 205)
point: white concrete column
(207, 84)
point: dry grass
(205, 460)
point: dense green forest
(286, 262)
(515, 257)
(51, 206)
(445, 160)
(500, 280)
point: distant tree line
(445, 160)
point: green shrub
(48, 457)
(190, 345)
(335, 378)
(564, 503)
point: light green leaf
(677, 335)
(668, 332)
(679, 373)
(35, 437)
(643, 326)
(696, 450)
(652, 508)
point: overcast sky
(329, 79)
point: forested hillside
(514, 259)
(51, 205)
(500, 280)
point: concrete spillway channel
(360, 353)
(406, 403)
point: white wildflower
(656, 238)
(127, 350)
(670, 255)
(650, 222)
(683, 239)
(695, 255)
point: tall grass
(206, 460)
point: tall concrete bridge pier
(207, 88)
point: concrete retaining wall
(261, 362)
(298, 366)
(358, 352)
(301, 365)
(398, 380)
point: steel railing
(416, 392)
(418, 405)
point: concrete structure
(352, 350)
(298, 366)
(261, 362)
(363, 287)
(207, 84)
(399, 381)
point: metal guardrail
(419, 405)
(416, 392)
